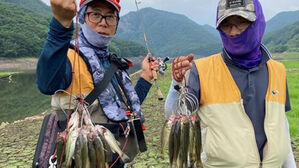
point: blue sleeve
(54, 68)
(142, 87)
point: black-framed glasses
(241, 26)
(96, 17)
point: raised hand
(180, 65)
(64, 11)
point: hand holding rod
(155, 77)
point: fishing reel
(162, 65)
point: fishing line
(60, 90)
(123, 148)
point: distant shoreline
(17, 64)
(29, 64)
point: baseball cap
(243, 8)
(115, 3)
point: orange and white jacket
(230, 139)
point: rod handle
(159, 94)
(155, 75)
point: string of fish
(85, 145)
(182, 132)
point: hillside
(284, 39)
(168, 34)
(126, 48)
(35, 6)
(212, 30)
(22, 32)
(281, 20)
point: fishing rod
(9, 77)
(155, 75)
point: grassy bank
(293, 84)
(286, 56)
(7, 73)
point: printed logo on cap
(235, 3)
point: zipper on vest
(252, 131)
(261, 165)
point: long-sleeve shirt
(54, 69)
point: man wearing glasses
(242, 93)
(98, 20)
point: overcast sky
(203, 11)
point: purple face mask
(245, 48)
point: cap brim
(251, 16)
(116, 7)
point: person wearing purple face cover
(242, 93)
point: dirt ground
(20, 64)
(25, 64)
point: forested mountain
(281, 20)
(212, 30)
(284, 39)
(168, 34)
(126, 48)
(23, 31)
(35, 6)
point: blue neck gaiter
(245, 49)
(91, 38)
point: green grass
(7, 73)
(293, 85)
(291, 64)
